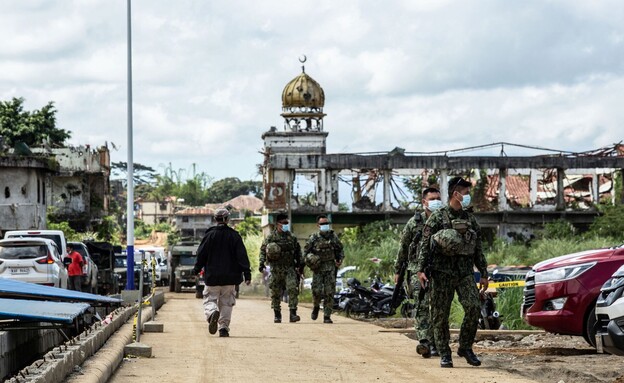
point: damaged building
(302, 179)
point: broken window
(305, 189)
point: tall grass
(252, 245)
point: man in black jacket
(224, 259)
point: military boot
(278, 316)
(315, 312)
(293, 316)
(424, 349)
(327, 319)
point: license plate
(19, 270)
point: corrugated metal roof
(16, 289)
(21, 309)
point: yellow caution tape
(506, 284)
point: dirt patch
(542, 357)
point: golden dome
(303, 92)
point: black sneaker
(470, 357)
(327, 320)
(224, 333)
(446, 361)
(423, 349)
(212, 322)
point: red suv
(560, 293)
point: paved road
(260, 351)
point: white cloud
(424, 75)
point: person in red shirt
(74, 269)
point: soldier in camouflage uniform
(282, 252)
(451, 246)
(408, 252)
(323, 254)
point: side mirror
(67, 261)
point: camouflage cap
(222, 213)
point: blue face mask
(285, 227)
(325, 227)
(465, 201)
(434, 205)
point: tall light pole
(130, 193)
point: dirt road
(260, 351)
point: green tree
(228, 188)
(250, 226)
(142, 174)
(30, 127)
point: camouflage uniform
(408, 252)
(328, 248)
(452, 271)
(283, 268)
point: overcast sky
(420, 74)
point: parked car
(560, 294)
(610, 315)
(161, 270)
(89, 269)
(341, 278)
(56, 235)
(35, 260)
(121, 272)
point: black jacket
(223, 257)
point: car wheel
(589, 332)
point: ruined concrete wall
(22, 198)
(69, 195)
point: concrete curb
(102, 341)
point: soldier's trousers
(422, 312)
(323, 288)
(443, 288)
(283, 279)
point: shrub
(252, 245)
(558, 229)
(610, 224)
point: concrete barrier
(61, 361)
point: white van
(56, 235)
(158, 254)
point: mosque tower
(302, 109)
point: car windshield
(54, 237)
(187, 260)
(121, 262)
(22, 251)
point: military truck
(182, 257)
(103, 255)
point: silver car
(35, 260)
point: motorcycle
(490, 318)
(357, 300)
